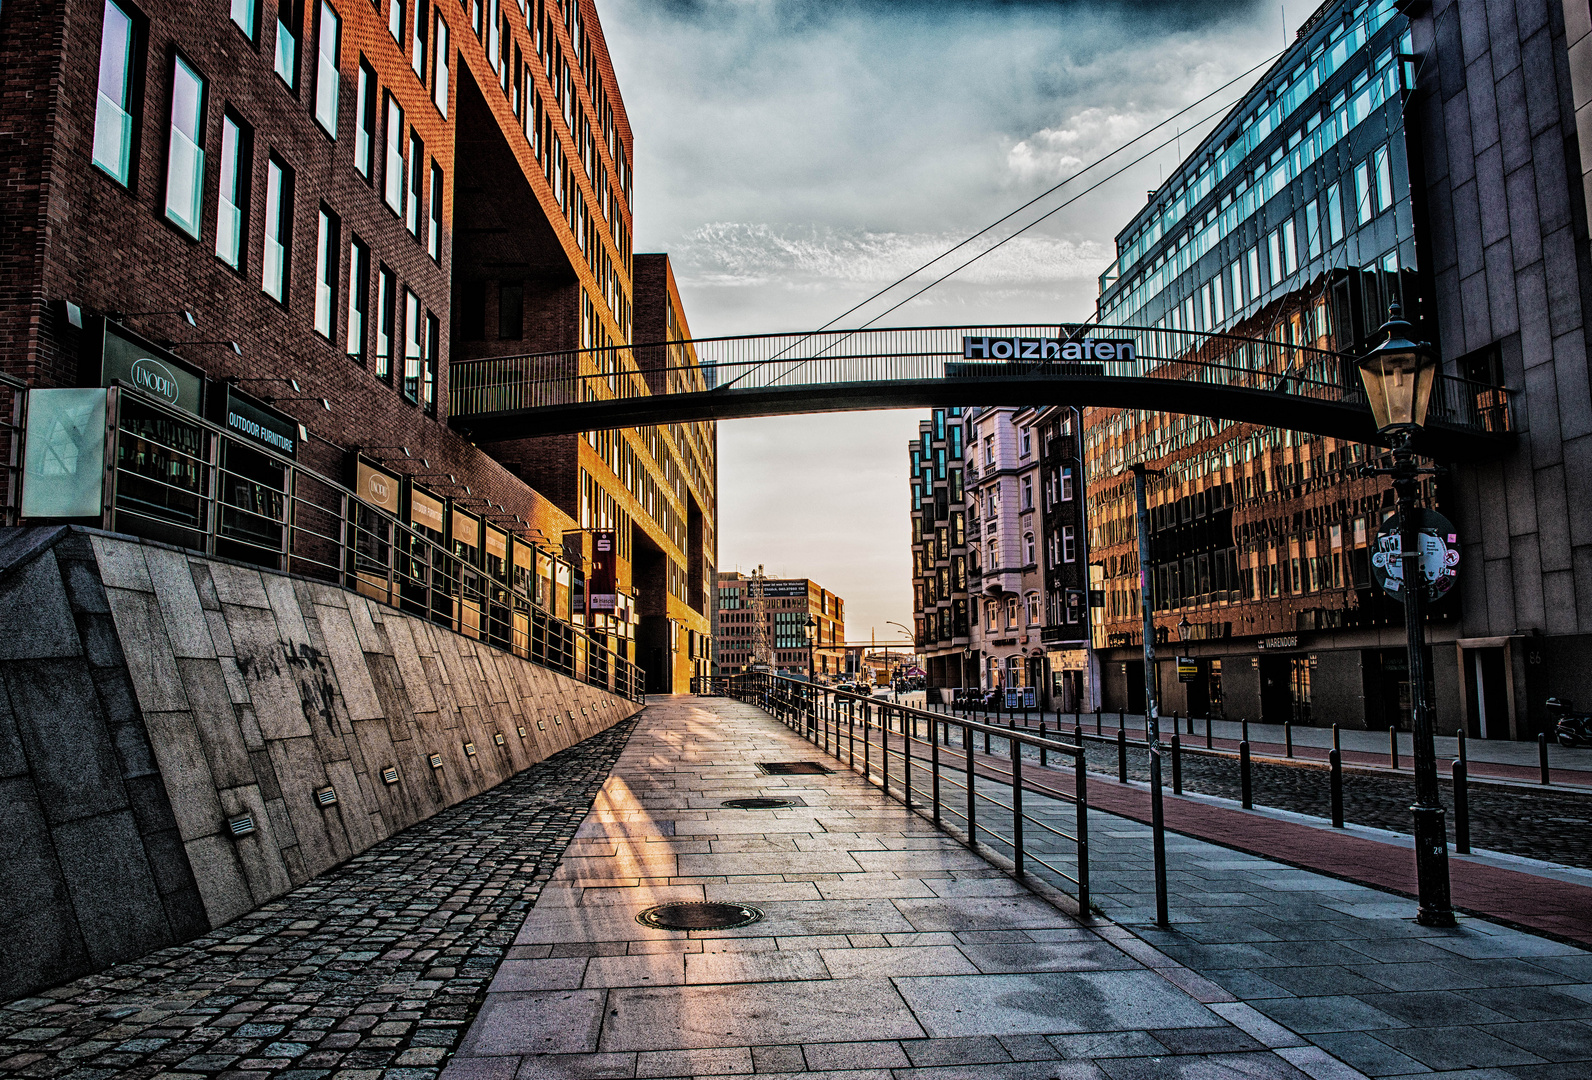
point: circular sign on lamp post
(1439, 555)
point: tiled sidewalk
(888, 950)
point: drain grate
(699, 916)
(792, 768)
(756, 804)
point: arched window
(1028, 549)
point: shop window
(233, 192)
(327, 78)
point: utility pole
(1152, 711)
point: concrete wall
(151, 695)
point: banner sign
(425, 510)
(377, 487)
(603, 571)
(258, 422)
(1439, 555)
(1188, 669)
(129, 358)
(1016, 348)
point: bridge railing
(837, 358)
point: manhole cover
(791, 768)
(756, 804)
(699, 916)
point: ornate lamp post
(1184, 628)
(812, 644)
(1398, 376)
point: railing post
(1335, 761)
(1081, 824)
(934, 771)
(906, 759)
(1017, 804)
(1177, 765)
(867, 742)
(1122, 756)
(1461, 809)
(972, 827)
(1243, 775)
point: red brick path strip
(1508, 896)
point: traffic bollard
(1287, 737)
(1243, 775)
(1177, 765)
(1335, 744)
(1122, 756)
(1042, 762)
(1097, 719)
(1243, 723)
(1208, 743)
(1393, 747)
(1461, 810)
(1337, 788)
(1542, 755)
(1462, 756)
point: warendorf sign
(1025, 348)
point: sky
(795, 156)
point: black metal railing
(931, 763)
(176, 478)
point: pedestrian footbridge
(1258, 380)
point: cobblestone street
(371, 971)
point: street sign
(1188, 669)
(1439, 559)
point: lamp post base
(1431, 867)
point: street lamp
(1184, 628)
(1398, 376)
(812, 641)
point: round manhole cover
(763, 803)
(699, 916)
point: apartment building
(803, 627)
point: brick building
(355, 193)
(788, 604)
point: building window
(243, 15)
(393, 189)
(1384, 179)
(1069, 544)
(439, 69)
(233, 191)
(365, 120)
(1334, 215)
(994, 556)
(326, 74)
(1363, 211)
(412, 346)
(1274, 256)
(185, 159)
(386, 317)
(428, 393)
(1028, 491)
(1312, 229)
(286, 60)
(511, 310)
(1028, 549)
(417, 42)
(1238, 286)
(417, 179)
(278, 230)
(1066, 483)
(1290, 247)
(358, 298)
(992, 616)
(1012, 613)
(434, 227)
(326, 245)
(395, 20)
(1033, 609)
(493, 45)
(113, 122)
(1253, 268)
(1027, 442)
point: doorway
(1276, 698)
(1487, 693)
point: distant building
(941, 601)
(787, 605)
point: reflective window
(233, 189)
(113, 123)
(278, 231)
(326, 75)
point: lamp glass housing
(1398, 377)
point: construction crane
(762, 658)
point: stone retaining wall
(150, 695)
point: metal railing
(930, 762)
(13, 424)
(839, 357)
(176, 478)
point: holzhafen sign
(1021, 348)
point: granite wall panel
(161, 694)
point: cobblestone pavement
(370, 972)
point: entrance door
(1485, 672)
(1198, 695)
(1276, 702)
(1135, 670)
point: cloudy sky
(795, 156)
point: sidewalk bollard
(1122, 756)
(1243, 775)
(1122, 719)
(1287, 737)
(986, 739)
(1097, 720)
(1042, 762)
(1393, 747)
(1337, 787)
(1542, 755)
(1208, 743)
(1461, 810)
(1177, 765)
(1335, 744)
(1077, 736)
(1462, 756)
(1243, 722)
